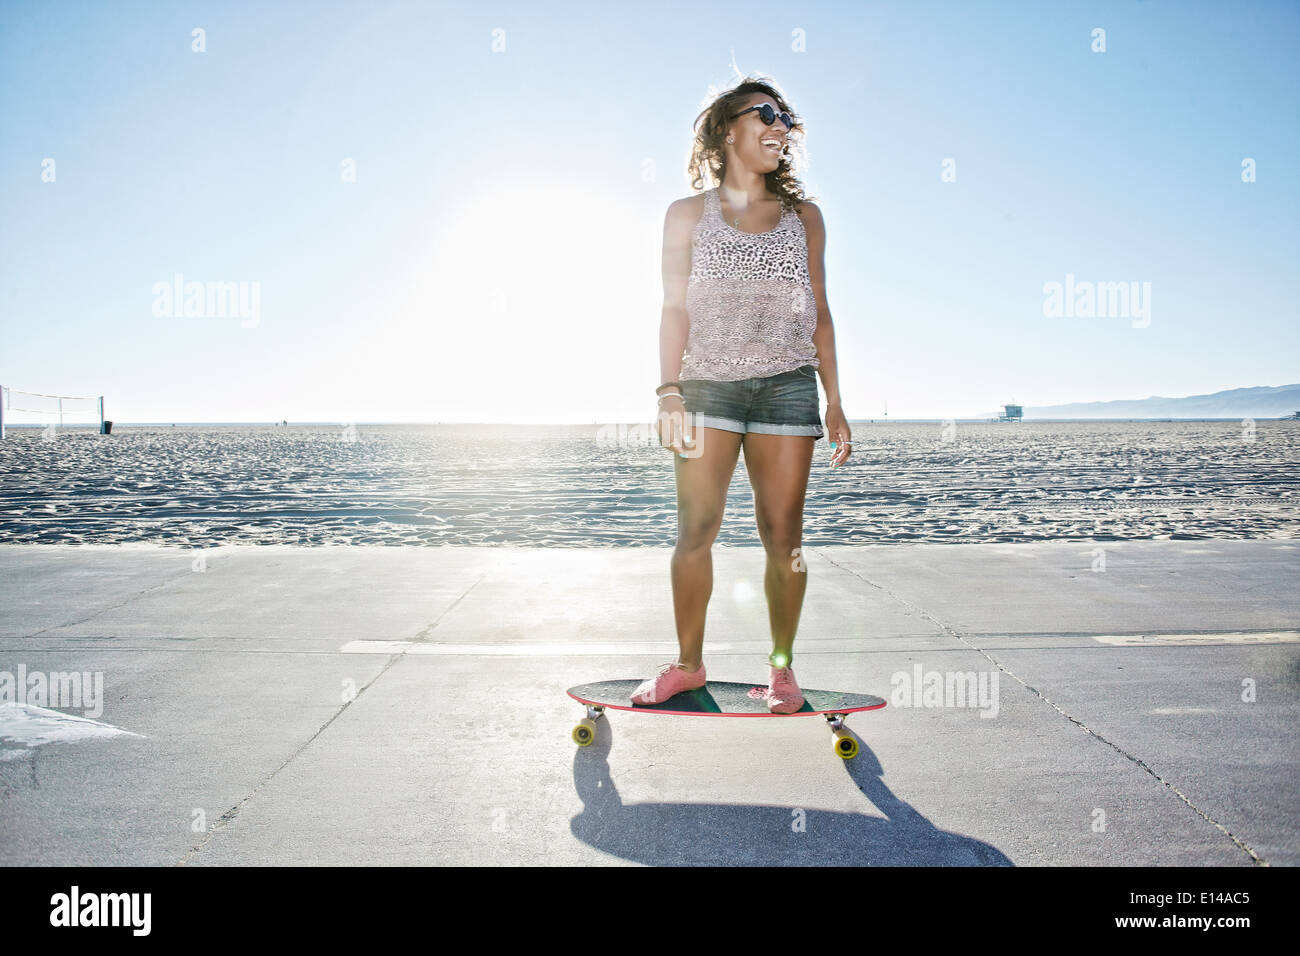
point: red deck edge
(708, 713)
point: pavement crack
(111, 607)
(422, 637)
(230, 815)
(961, 638)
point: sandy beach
(605, 486)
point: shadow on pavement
(740, 834)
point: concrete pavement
(375, 705)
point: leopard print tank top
(749, 299)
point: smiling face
(757, 146)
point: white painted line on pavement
(628, 649)
(1269, 637)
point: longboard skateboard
(720, 699)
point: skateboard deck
(720, 699)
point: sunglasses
(767, 115)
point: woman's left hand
(838, 430)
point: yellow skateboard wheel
(845, 745)
(585, 732)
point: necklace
(738, 218)
(735, 222)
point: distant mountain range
(1263, 401)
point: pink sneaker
(672, 679)
(783, 694)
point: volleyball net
(38, 409)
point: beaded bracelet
(666, 384)
(671, 395)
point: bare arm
(824, 335)
(674, 323)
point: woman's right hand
(671, 422)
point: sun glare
(528, 290)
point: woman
(745, 328)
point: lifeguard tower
(1011, 413)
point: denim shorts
(782, 404)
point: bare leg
(778, 467)
(701, 500)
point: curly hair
(708, 162)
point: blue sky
(497, 256)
